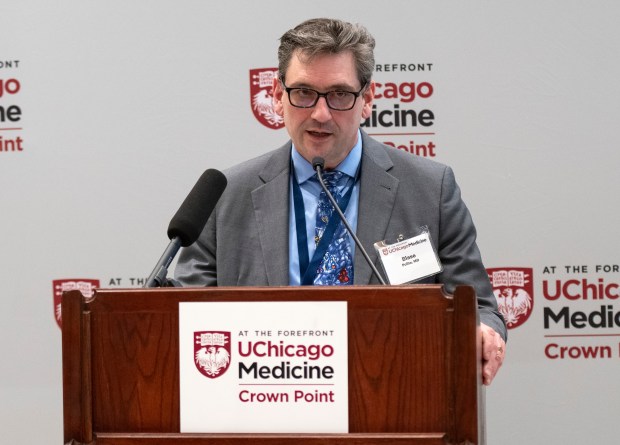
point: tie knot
(331, 178)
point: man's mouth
(319, 134)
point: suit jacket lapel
(376, 201)
(271, 203)
(271, 209)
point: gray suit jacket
(245, 242)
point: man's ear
(277, 94)
(368, 97)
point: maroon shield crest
(212, 352)
(514, 291)
(84, 285)
(261, 98)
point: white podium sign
(263, 367)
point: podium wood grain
(414, 372)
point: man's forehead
(325, 70)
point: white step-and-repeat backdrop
(111, 110)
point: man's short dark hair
(329, 36)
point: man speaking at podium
(267, 228)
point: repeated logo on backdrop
(513, 288)
(401, 115)
(11, 140)
(261, 98)
(580, 317)
(85, 285)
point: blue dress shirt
(310, 191)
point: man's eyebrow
(335, 87)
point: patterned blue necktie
(336, 267)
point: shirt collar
(349, 166)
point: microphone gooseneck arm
(158, 276)
(317, 165)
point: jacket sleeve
(197, 264)
(459, 254)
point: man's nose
(321, 111)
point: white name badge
(409, 260)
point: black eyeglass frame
(319, 95)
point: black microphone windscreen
(318, 161)
(190, 219)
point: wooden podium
(414, 372)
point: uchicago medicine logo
(85, 285)
(212, 352)
(513, 288)
(261, 98)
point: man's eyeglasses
(336, 100)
